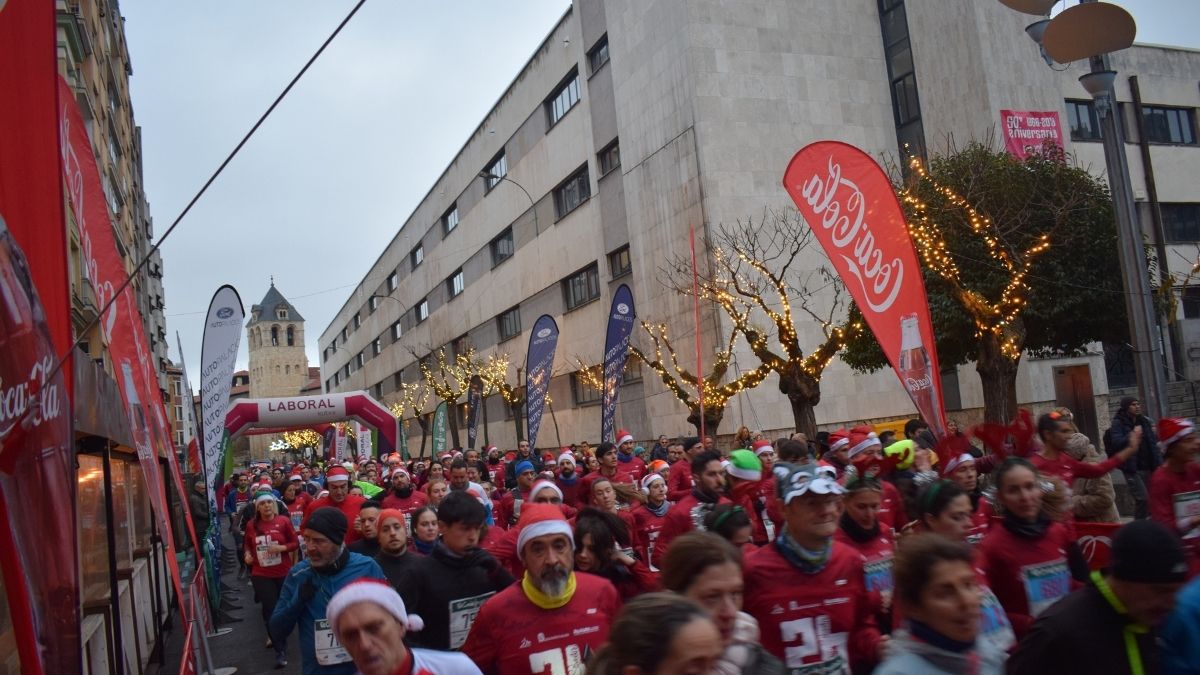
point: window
(897, 51)
(372, 303)
(1181, 223)
(509, 324)
(281, 313)
(497, 169)
(333, 345)
(345, 333)
(393, 281)
(598, 54)
(357, 321)
(1191, 302)
(563, 99)
(418, 255)
(450, 220)
(571, 193)
(460, 346)
(633, 371)
(396, 331)
(502, 247)
(583, 393)
(376, 347)
(359, 360)
(454, 284)
(274, 336)
(1169, 125)
(1081, 117)
(582, 287)
(609, 158)
(337, 379)
(346, 371)
(618, 262)
(422, 310)
(291, 336)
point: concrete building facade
(634, 122)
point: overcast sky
(324, 185)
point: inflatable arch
(303, 411)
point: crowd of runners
(845, 553)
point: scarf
(335, 566)
(624, 458)
(424, 547)
(704, 497)
(660, 510)
(857, 532)
(537, 597)
(807, 561)
(930, 636)
(568, 481)
(1025, 529)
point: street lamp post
(487, 175)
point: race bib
(462, 614)
(516, 514)
(330, 652)
(297, 517)
(653, 537)
(408, 524)
(1187, 505)
(811, 637)
(265, 557)
(993, 622)
(770, 525)
(877, 575)
(1045, 584)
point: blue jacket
(292, 610)
(1181, 633)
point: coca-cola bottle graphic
(916, 371)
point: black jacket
(1116, 438)
(1081, 634)
(444, 578)
(397, 569)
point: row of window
(1163, 124)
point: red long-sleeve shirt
(648, 526)
(349, 508)
(1174, 500)
(686, 515)
(1027, 575)
(259, 535)
(679, 480)
(1067, 468)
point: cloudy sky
(328, 179)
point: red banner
(121, 326)
(1027, 132)
(848, 201)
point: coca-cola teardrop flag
(848, 201)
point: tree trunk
(712, 420)
(804, 393)
(424, 434)
(998, 375)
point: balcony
(84, 306)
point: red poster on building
(1027, 132)
(120, 326)
(851, 207)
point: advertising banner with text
(1026, 132)
(439, 429)
(218, 354)
(474, 404)
(539, 368)
(848, 201)
(621, 317)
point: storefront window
(122, 520)
(93, 529)
(140, 503)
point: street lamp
(487, 175)
(388, 297)
(1090, 31)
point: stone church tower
(278, 365)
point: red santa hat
(838, 439)
(373, 591)
(337, 474)
(649, 479)
(543, 484)
(761, 446)
(539, 520)
(402, 470)
(295, 477)
(623, 436)
(862, 438)
(567, 457)
(1171, 429)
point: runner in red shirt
(1175, 486)
(404, 497)
(568, 480)
(805, 589)
(860, 529)
(630, 467)
(296, 500)
(269, 543)
(838, 455)
(337, 482)
(679, 482)
(688, 513)
(508, 511)
(963, 470)
(1027, 555)
(651, 515)
(745, 473)
(554, 618)
(1054, 429)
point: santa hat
(957, 461)
(657, 466)
(539, 520)
(566, 457)
(649, 479)
(761, 446)
(745, 465)
(295, 477)
(623, 436)
(264, 496)
(544, 485)
(374, 591)
(337, 474)
(488, 448)
(402, 470)
(838, 439)
(862, 437)
(1171, 429)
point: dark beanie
(1145, 551)
(1127, 401)
(690, 442)
(329, 522)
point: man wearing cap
(1139, 468)
(679, 482)
(337, 482)
(553, 619)
(838, 455)
(494, 467)
(309, 586)
(688, 513)
(393, 557)
(805, 589)
(1175, 486)
(1111, 624)
(630, 467)
(650, 516)
(523, 455)
(370, 620)
(508, 511)
(745, 472)
(567, 478)
(504, 548)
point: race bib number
(811, 637)
(265, 557)
(408, 524)
(993, 622)
(877, 575)
(770, 525)
(1187, 506)
(652, 537)
(330, 652)
(1045, 584)
(297, 517)
(462, 614)
(565, 661)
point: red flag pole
(696, 316)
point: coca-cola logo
(841, 206)
(34, 396)
(919, 383)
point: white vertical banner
(340, 443)
(362, 434)
(222, 337)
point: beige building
(636, 120)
